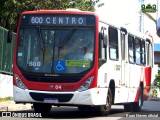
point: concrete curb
(154, 99)
(11, 106)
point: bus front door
(123, 83)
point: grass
(6, 99)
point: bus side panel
(147, 85)
(114, 74)
(135, 73)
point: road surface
(149, 109)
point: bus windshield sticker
(80, 63)
(59, 66)
(19, 54)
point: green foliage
(10, 10)
(157, 79)
(154, 93)
(6, 99)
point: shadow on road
(65, 113)
(71, 113)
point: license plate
(50, 100)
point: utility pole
(141, 18)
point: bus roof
(132, 31)
(67, 11)
(140, 34)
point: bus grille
(60, 97)
(59, 79)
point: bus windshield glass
(64, 50)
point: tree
(157, 79)
(10, 10)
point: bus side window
(113, 43)
(123, 46)
(143, 55)
(149, 54)
(138, 51)
(131, 49)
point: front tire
(105, 109)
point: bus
(73, 58)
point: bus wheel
(136, 107)
(42, 108)
(105, 109)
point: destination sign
(49, 20)
(60, 20)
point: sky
(120, 11)
(127, 13)
(150, 25)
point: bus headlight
(86, 85)
(19, 82)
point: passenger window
(113, 43)
(138, 50)
(143, 57)
(131, 49)
(149, 54)
(123, 46)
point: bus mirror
(101, 36)
(105, 41)
(9, 38)
(124, 30)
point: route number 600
(34, 64)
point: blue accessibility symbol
(59, 66)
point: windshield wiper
(66, 39)
(42, 42)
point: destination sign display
(60, 20)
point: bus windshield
(59, 50)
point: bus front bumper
(94, 96)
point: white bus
(73, 58)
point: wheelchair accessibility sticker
(60, 66)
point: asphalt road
(149, 109)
